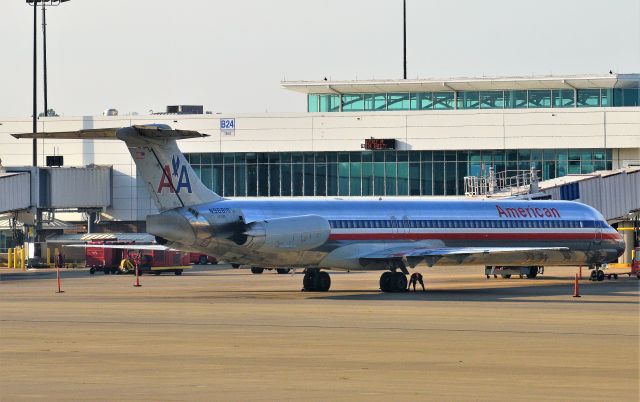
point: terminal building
(391, 138)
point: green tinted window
(329, 103)
(312, 103)
(491, 100)
(626, 97)
(352, 102)
(539, 98)
(515, 99)
(563, 97)
(605, 96)
(588, 97)
(443, 100)
(399, 101)
(468, 100)
(423, 101)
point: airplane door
(597, 239)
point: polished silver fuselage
(360, 225)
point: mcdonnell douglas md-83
(334, 234)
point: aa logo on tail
(179, 171)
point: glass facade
(510, 99)
(377, 173)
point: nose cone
(173, 226)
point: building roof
(613, 80)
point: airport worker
(415, 278)
(60, 259)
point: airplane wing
(431, 255)
(123, 246)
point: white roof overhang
(464, 84)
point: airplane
(323, 234)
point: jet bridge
(15, 194)
(50, 189)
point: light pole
(404, 36)
(44, 4)
(34, 3)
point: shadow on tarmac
(533, 293)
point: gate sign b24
(227, 127)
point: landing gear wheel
(202, 260)
(235, 266)
(178, 272)
(399, 282)
(593, 276)
(385, 281)
(506, 276)
(324, 281)
(533, 272)
(92, 270)
(283, 271)
(309, 280)
(257, 270)
(393, 282)
(600, 276)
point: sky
(230, 56)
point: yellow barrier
(49, 257)
(23, 259)
(10, 258)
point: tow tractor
(600, 274)
(506, 272)
(124, 261)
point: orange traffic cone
(576, 287)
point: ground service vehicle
(116, 258)
(202, 259)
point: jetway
(46, 188)
(615, 193)
(14, 194)
(31, 196)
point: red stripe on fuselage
(471, 236)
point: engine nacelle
(295, 233)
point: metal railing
(512, 182)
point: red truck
(202, 259)
(123, 261)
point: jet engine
(295, 233)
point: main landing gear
(316, 280)
(393, 282)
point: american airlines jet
(321, 234)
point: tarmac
(217, 333)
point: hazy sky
(137, 55)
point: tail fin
(169, 177)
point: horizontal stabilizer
(149, 131)
(93, 133)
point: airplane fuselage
(222, 229)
